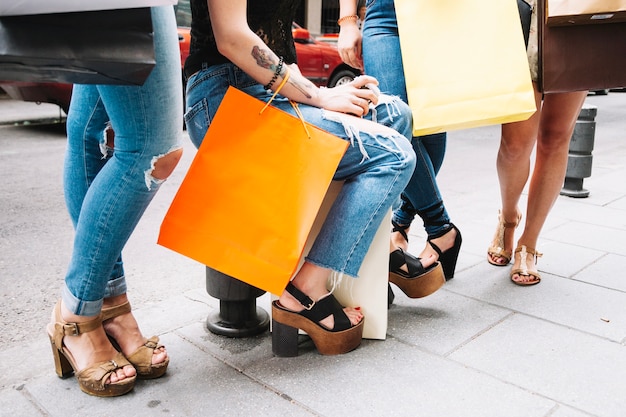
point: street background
(481, 346)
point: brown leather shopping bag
(251, 195)
(582, 44)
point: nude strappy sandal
(497, 245)
(523, 270)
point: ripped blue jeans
(108, 184)
(375, 168)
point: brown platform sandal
(497, 245)
(523, 269)
(342, 338)
(142, 357)
(92, 379)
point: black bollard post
(580, 158)
(239, 315)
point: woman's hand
(349, 45)
(353, 98)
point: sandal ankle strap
(400, 229)
(118, 310)
(509, 225)
(302, 298)
(528, 250)
(318, 310)
(75, 329)
(63, 328)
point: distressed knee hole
(162, 167)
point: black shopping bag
(100, 47)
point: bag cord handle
(293, 103)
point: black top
(269, 19)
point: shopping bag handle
(293, 103)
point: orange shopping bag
(248, 202)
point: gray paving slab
(566, 260)
(604, 238)
(396, 379)
(25, 362)
(15, 402)
(568, 302)
(564, 411)
(441, 322)
(574, 368)
(619, 204)
(607, 272)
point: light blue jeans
(107, 189)
(382, 59)
(375, 168)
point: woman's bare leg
(558, 119)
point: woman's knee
(406, 159)
(163, 165)
(392, 112)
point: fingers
(363, 81)
(367, 88)
(364, 105)
(360, 106)
(349, 46)
(352, 57)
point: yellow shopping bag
(465, 63)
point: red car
(318, 61)
(55, 93)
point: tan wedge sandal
(523, 270)
(141, 358)
(497, 245)
(92, 380)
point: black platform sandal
(342, 338)
(448, 257)
(419, 281)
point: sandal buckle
(71, 329)
(310, 306)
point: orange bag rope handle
(293, 103)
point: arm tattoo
(263, 59)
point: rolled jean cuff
(403, 218)
(115, 287)
(79, 307)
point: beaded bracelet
(279, 68)
(343, 19)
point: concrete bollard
(580, 158)
(238, 315)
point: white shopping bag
(369, 291)
(27, 7)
